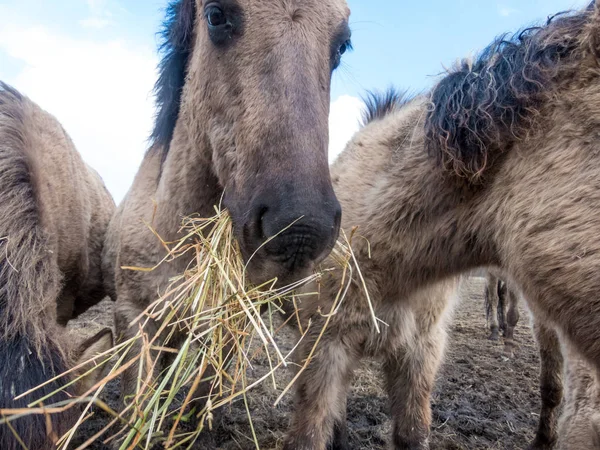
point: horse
(243, 98)
(54, 213)
(502, 308)
(498, 166)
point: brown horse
(498, 167)
(243, 98)
(54, 212)
(502, 308)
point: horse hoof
(539, 446)
(494, 336)
(543, 441)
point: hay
(219, 316)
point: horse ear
(99, 343)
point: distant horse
(243, 101)
(502, 308)
(498, 167)
(54, 212)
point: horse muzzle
(288, 240)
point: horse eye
(215, 16)
(345, 47)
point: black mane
(480, 108)
(380, 104)
(176, 48)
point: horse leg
(551, 386)
(491, 301)
(579, 424)
(319, 417)
(410, 378)
(502, 295)
(512, 317)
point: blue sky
(408, 42)
(91, 62)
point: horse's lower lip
(286, 263)
(294, 249)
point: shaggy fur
(243, 112)
(534, 216)
(579, 425)
(410, 346)
(54, 212)
(483, 106)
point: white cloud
(95, 23)
(344, 121)
(506, 11)
(99, 91)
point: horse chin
(261, 270)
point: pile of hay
(220, 315)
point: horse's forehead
(339, 7)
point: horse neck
(427, 225)
(187, 182)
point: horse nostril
(260, 222)
(338, 217)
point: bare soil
(486, 397)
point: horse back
(74, 205)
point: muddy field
(486, 397)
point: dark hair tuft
(380, 104)
(483, 107)
(176, 48)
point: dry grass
(218, 314)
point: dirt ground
(486, 397)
